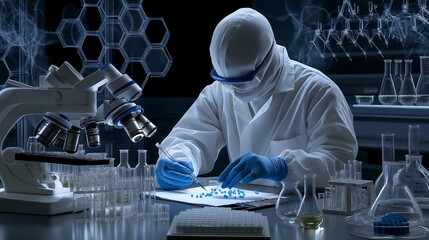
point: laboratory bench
(63, 226)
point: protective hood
(244, 42)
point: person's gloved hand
(173, 175)
(251, 166)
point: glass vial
(407, 94)
(423, 82)
(123, 158)
(387, 94)
(387, 155)
(288, 201)
(309, 213)
(397, 74)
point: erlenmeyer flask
(423, 82)
(407, 93)
(397, 74)
(309, 213)
(418, 182)
(387, 94)
(395, 196)
(387, 155)
(288, 201)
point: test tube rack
(351, 190)
(218, 223)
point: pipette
(172, 159)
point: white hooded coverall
(295, 112)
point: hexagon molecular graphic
(115, 31)
(133, 19)
(134, 46)
(91, 2)
(157, 61)
(157, 31)
(70, 32)
(112, 32)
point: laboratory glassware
(123, 158)
(288, 201)
(407, 94)
(414, 139)
(387, 94)
(387, 155)
(418, 182)
(422, 88)
(309, 214)
(395, 196)
(397, 74)
(139, 175)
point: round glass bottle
(407, 93)
(309, 213)
(387, 94)
(288, 201)
(422, 88)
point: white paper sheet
(220, 198)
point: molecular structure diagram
(104, 31)
(379, 28)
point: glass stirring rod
(172, 159)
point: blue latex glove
(173, 175)
(250, 166)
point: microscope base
(35, 204)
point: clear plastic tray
(367, 232)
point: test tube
(358, 170)
(413, 140)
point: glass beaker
(422, 88)
(407, 93)
(387, 94)
(309, 214)
(397, 74)
(387, 155)
(395, 196)
(288, 201)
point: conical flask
(395, 196)
(387, 94)
(407, 94)
(422, 88)
(397, 74)
(309, 213)
(418, 182)
(288, 201)
(387, 155)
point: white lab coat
(306, 121)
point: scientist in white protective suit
(277, 117)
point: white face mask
(245, 92)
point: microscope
(68, 103)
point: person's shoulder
(311, 75)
